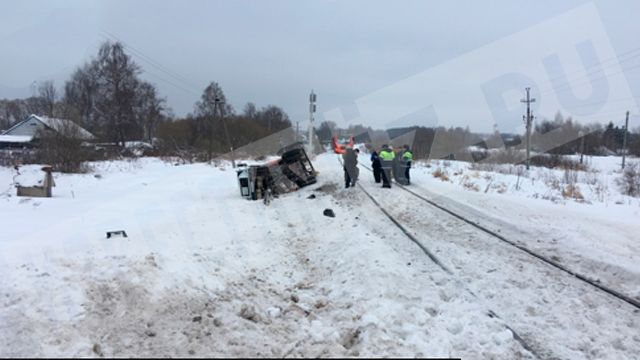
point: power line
(150, 60)
(164, 70)
(569, 84)
(616, 57)
(170, 82)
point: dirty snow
(204, 272)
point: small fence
(12, 157)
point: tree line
(107, 96)
(560, 136)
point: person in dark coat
(399, 167)
(386, 159)
(350, 162)
(376, 165)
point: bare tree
(250, 111)
(48, 96)
(12, 111)
(117, 84)
(211, 107)
(108, 98)
(150, 109)
(325, 131)
(80, 94)
(273, 118)
(207, 103)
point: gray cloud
(275, 52)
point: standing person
(376, 165)
(398, 167)
(407, 157)
(357, 172)
(350, 165)
(386, 159)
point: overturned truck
(293, 170)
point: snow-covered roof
(15, 138)
(56, 125)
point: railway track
(437, 261)
(562, 304)
(612, 292)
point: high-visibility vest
(387, 155)
(408, 155)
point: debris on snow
(248, 312)
(329, 213)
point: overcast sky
(275, 52)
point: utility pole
(528, 100)
(581, 135)
(297, 130)
(312, 110)
(624, 139)
(226, 131)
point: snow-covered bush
(557, 162)
(630, 181)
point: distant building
(15, 141)
(35, 125)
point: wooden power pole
(528, 120)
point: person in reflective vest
(407, 158)
(386, 160)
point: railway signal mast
(312, 110)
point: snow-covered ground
(596, 236)
(204, 272)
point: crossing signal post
(312, 110)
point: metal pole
(624, 141)
(312, 109)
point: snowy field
(204, 272)
(595, 234)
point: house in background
(15, 142)
(26, 131)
